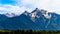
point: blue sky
(7, 2)
(19, 6)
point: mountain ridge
(36, 20)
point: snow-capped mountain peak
(26, 13)
(10, 14)
(36, 10)
(39, 13)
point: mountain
(10, 14)
(36, 20)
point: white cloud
(49, 5)
(29, 5)
(12, 9)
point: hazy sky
(19, 6)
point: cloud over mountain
(21, 5)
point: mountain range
(36, 20)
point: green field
(29, 32)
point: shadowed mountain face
(36, 20)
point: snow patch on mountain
(47, 16)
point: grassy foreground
(29, 32)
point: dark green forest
(29, 31)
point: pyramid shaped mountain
(36, 20)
